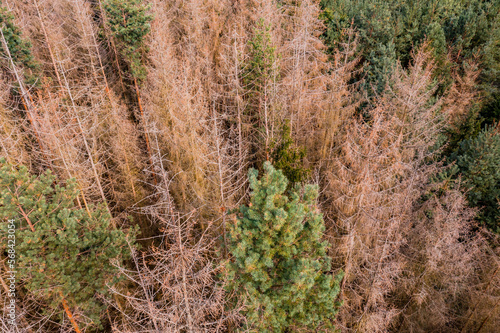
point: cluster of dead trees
(169, 152)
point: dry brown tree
(373, 185)
(444, 256)
(12, 137)
(86, 131)
(176, 96)
(407, 249)
(177, 279)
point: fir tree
(259, 75)
(289, 158)
(478, 161)
(129, 24)
(64, 253)
(280, 265)
(390, 30)
(262, 56)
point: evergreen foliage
(290, 159)
(20, 49)
(129, 24)
(390, 30)
(258, 76)
(63, 252)
(490, 113)
(260, 67)
(478, 161)
(280, 265)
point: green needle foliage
(129, 24)
(389, 30)
(20, 49)
(478, 161)
(259, 76)
(279, 266)
(70, 252)
(260, 69)
(289, 158)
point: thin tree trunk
(238, 106)
(87, 148)
(25, 99)
(221, 181)
(266, 122)
(488, 317)
(113, 107)
(184, 280)
(143, 120)
(48, 44)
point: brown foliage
(413, 259)
(175, 283)
(374, 186)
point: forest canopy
(250, 166)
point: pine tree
(65, 254)
(280, 265)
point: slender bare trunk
(87, 147)
(48, 44)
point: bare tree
(177, 284)
(375, 181)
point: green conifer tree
(478, 161)
(65, 254)
(262, 56)
(289, 158)
(129, 24)
(389, 30)
(259, 74)
(279, 265)
(20, 49)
